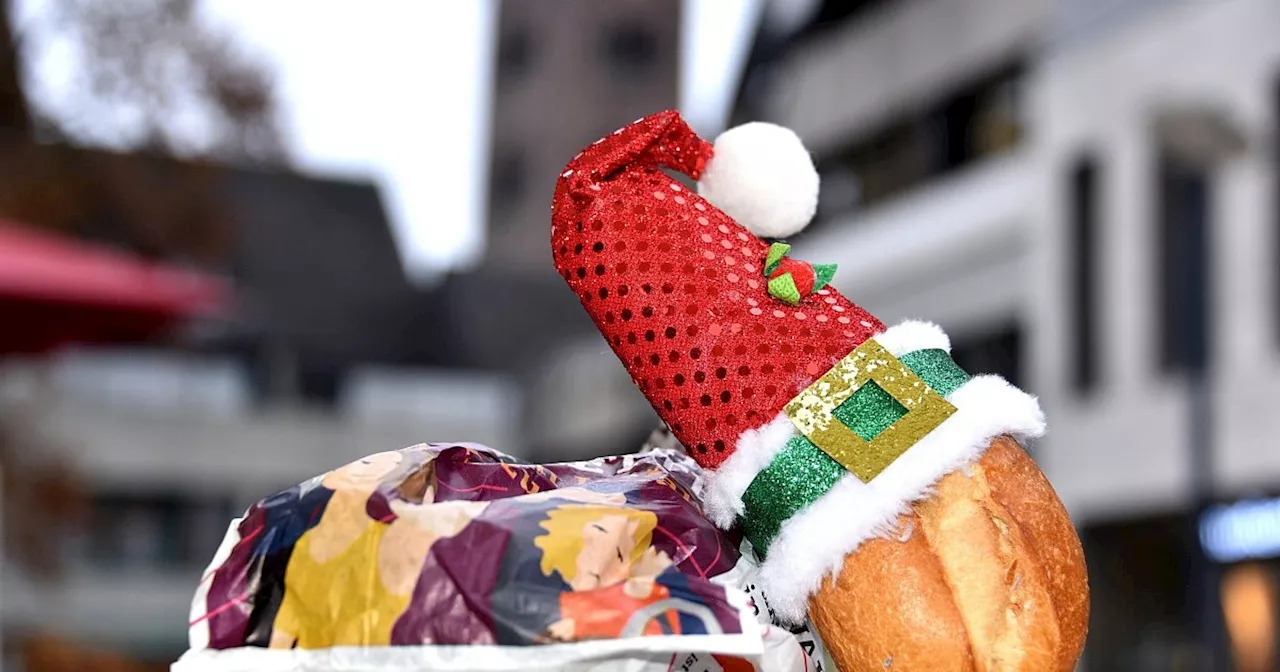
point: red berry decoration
(791, 280)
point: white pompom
(762, 176)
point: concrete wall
(1125, 448)
(952, 252)
(145, 421)
(900, 54)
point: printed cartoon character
(493, 570)
(364, 532)
(604, 555)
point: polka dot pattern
(674, 285)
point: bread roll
(987, 575)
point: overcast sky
(398, 91)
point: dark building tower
(565, 74)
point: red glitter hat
(762, 371)
(718, 328)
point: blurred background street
(242, 243)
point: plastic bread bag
(458, 557)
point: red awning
(55, 291)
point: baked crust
(890, 608)
(986, 575)
(1020, 487)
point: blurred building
(1062, 185)
(329, 355)
(1157, 249)
(322, 289)
(565, 74)
(914, 113)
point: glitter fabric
(802, 472)
(679, 292)
(937, 369)
(869, 411)
(813, 410)
(822, 275)
(798, 475)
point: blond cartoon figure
(330, 599)
(604, 555)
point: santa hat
(819, 425)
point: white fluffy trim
(913, 335)
(814, 543)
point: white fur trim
(814, 543)
(722, 500)
(762, 176)
(911, 336)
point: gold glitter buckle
(813, 410)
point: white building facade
(1062, 171)
(174, 447)
(1213, 69)
(990, 241)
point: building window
(840, 190)
(515, 53)
(320, 383)
(994, 351)
(968, 124)
(1184, 193)
(1083, 271)
(630, 49)
(840, 12)
(151, 531)
(1139, 569)
(824, 16)
(508, 178)
(997, 116)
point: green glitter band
(936, 369)
(801, 472)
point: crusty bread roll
(987, 575)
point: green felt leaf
(823, 273)
(776, 252)
(784, 289)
